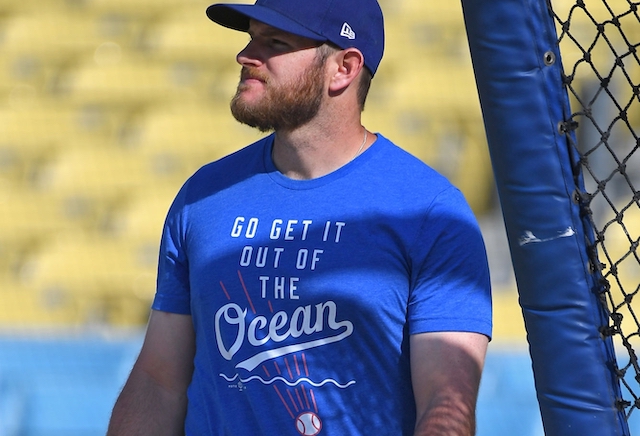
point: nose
(249, 56)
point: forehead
(259, 29)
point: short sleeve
(172, 290)
(451, 288)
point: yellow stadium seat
(471, 169)
(138, 9)
(52, 37)
(449, 13)
(140, 220)
(48, 123)
(22, 78)
(22, 307)
(191, 36)
(28, 214)
(88, 184)
(101, 171)
(37, 125)
(446, 91)
(17, 163)
(12, 6)
(418, 28)
(27, 220)
(411, 130)
(128, 81)
(105, 280)
(207, 132)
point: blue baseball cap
(345, 23)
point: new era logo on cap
(347, 31)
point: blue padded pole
(519, 77)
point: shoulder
(228, 171)
(399, 161)
(216, 177)
(407, 176)
(240, 162)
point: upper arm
(154, 398)
(168, 350)
(445, 370)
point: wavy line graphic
(287, 382)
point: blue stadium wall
(518, 71)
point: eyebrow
(267, 30)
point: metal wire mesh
(600, 41)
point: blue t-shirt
(303, 293)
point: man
(321, 280)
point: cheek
(296, 66)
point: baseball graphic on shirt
(308, 424)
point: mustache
(252, 73)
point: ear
(349, 63)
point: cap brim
(237, 17)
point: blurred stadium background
(106, 107)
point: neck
(314, 151)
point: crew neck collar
(290, 183)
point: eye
(275, 42)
